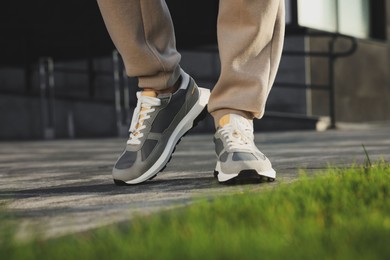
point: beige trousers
(250, 41)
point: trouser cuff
(160, 81)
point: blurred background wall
(60, 76)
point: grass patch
(343, 214)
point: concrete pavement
(65, 186)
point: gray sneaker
(157, 125)
(238, 156)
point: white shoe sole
(185, 125)
(224, 177)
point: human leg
(250, 39)
(142, 31)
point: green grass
(340, 214)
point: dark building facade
(59, 76)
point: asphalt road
(65, 186)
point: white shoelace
(145, 105)
(238, 134)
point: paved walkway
(65, 186)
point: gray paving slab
(64, 186)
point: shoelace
(239, 135)
(145, 105)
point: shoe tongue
(148, 93)
(145, 93)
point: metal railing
(332, 56)
(47, 96)
(122, 97)
(121, 82)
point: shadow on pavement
(161, 186)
